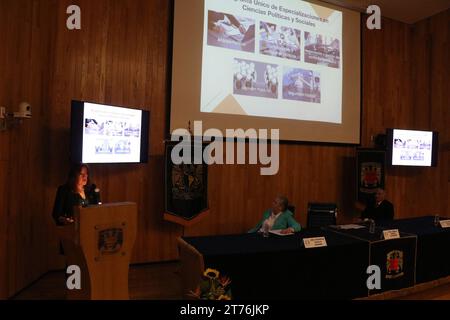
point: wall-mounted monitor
(108, 134)
(412, 148)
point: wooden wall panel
(432, 107)
(4, 155)
(239, 194)
(121, 57)
(405, 85)
(26, 31)
(3, 231)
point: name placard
(391, 234)
(445, 223)
(318, 242)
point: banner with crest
(370, 172)
(186, 188)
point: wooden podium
(100, 242)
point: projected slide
(111, 134)
(272, 58)
(412, 148)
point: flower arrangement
(213, 287)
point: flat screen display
(412, 148)
(108, 134)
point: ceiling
(408, 11)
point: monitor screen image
(412, 148)
(108, 134)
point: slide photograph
(231, 31)
(278, 41)
(255, 79)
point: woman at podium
(77, 191)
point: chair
(291, 208)
(192, 267)
(321, 214)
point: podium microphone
(97, 194)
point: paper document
(278, 232)
(229, 29)
(351, 227)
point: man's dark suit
(383, 211)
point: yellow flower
(224, 297)
(211, 274)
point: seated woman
(76, 192)
(278, 218)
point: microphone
(97, 198)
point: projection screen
(290, 65)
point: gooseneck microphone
(97, 199)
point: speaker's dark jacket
(66, 200)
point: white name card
(391, 234)
(445, 223)
(315, 242)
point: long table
(433, 258)
(282, 268)
(396, 258)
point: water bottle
(436, 220)
(266, 230)
(372, 226)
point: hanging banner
(370, 173)
(186, 185)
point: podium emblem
(394, 264)
(110, 241)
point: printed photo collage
(111, 137)
(258, 79)
(412, 149)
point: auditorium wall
(121, 56)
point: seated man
(383, 210)
(278, 218)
